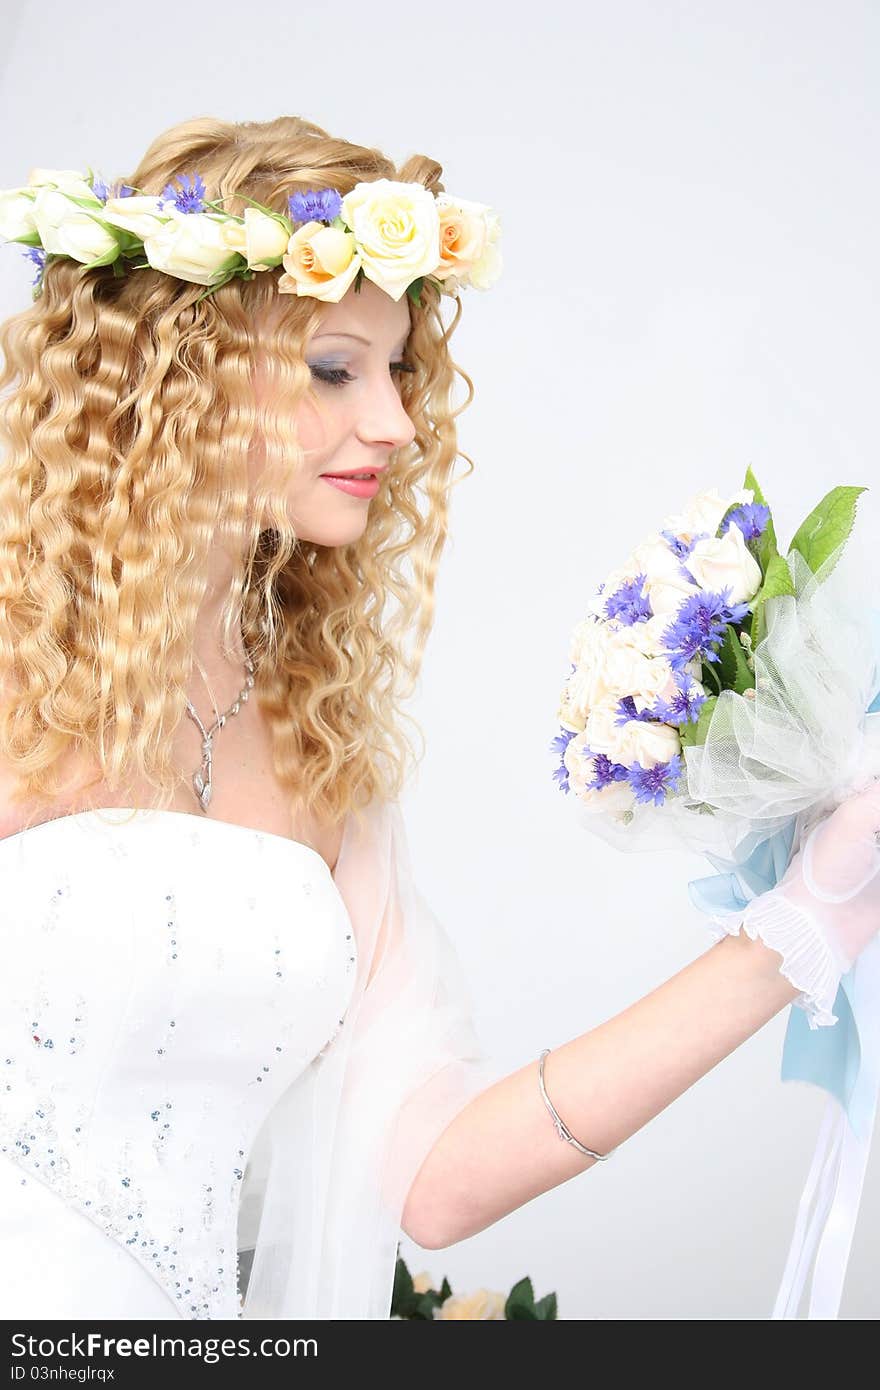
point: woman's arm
(502, 1148)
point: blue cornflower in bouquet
(665, 659)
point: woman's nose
(386, 420)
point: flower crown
(396, 234)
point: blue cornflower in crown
(397, 234)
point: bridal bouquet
(716, 686)
(725, 697)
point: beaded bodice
(164, 981)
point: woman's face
(359, 418)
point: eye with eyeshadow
(340, 376)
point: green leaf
(518, 1311)
(88, 204)
(425, 1305)
(777, 581)
(735, 672)
(766, 546)
(270, 212)
(520, 1304)
(523, 1290)
(403, 1297)
(29, 239)
(107, 259)
(545, 1308)
(415, 289)
(691, 734)
(445, 1288)
(709, 675)
(828, 526)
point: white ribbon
(837, 1174)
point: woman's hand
(826, 908)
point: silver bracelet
(561, 1129)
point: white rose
(482, 1305)
(671, 685)
(261, 239)
(650, 743)
(627, 670)
(603, 734)
(190, 246)
(577, 760)
(570, 715)
(665, 584)
(580, 639)
(141, 214)
(397, 230)
(583, 689)
(68, 230)
(588, 642)
(655, 559)
(624, 667)
(488, 268)
(66, 180)
(648, 636)
(464, 235)
(615, 798)
(703, 513)
(725, 562)
(663, 686)
(667, 598)
(17, 214)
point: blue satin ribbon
(829, 1057)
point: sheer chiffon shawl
(326, 1182)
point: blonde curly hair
(125, 443)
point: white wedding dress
(211, 1044)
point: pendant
(202, 789)
(202, 779)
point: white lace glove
(826, 908)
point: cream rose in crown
(397, 234)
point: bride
(239, 1053)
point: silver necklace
(202, 779)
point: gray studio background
(714, 169)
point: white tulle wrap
(800, 747)
(804, 743)
(327, 1180)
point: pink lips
(355, 487)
